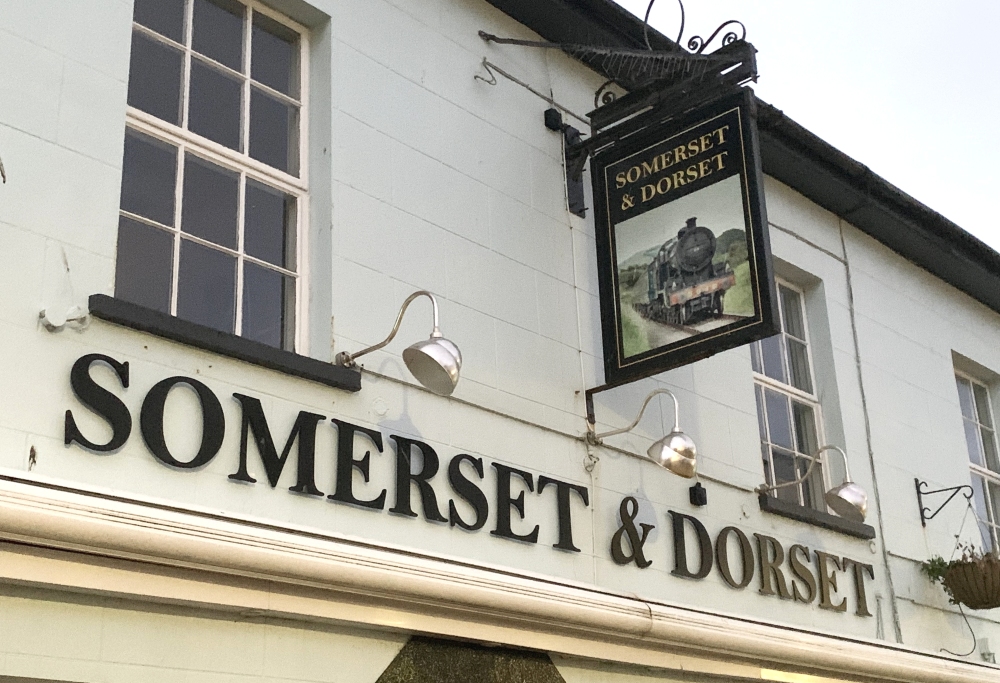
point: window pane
(149, 169)
(965, 398)
(766, 456)
(990, 449)
(994, 501)
(206, 287)
(268, 302)
(211, 199)
(218, 31)
(972, 441)
(759, 395)
(274, 132)
(144, 265)
(270, 225)
(772, 356)
(275, 55)
(784, 471)
(798, 363)
(812, 488)
(755, 358)
(154, 79)
(805, 428)
(214, 107)
(791, 309)
(778, 420)
(166, 17)
(979, 500)
(982, 405)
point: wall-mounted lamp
(675, 452)
(848, 499)
(435, 363)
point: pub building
(459, 340)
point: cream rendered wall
(433, 179)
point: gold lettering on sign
(664, 161)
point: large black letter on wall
(468, 491)
(404, 476)
(213, 422)
(563, 509)
(304, 428)
(346, 464)
(505, 503)
(101, 401)
(680, 548)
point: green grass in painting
(739, 299)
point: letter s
(101, 401)
(620, 180)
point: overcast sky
(910, 88)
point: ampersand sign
(628, 511)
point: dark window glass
(206, 287)
(972, 441)
(154, 81)
(812, 487)
(275, 52)
(218, 31)
(755, 361)
(267, 305)
(166, 17)
(982, 405)
(766, 456)
(778, 420)
(990, 447)
(270, 225)
(758, 394)
(979, 499)
(798, 363)
(214, 107)
(792, 312)
(273, 132)
(785, 471)
(145, 265)
(211, 201)
(805, 428)
(772, 355)
(965, 398)
(149, 168)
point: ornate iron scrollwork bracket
(924, 516)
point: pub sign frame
(683, 253)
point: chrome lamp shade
(675, 452)
(435, 363)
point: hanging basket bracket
(925, 513)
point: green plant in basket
(972, 580)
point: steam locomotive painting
(685, 285)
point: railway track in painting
(690, 330)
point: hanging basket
(974, 583)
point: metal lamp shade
(849, 501)
(435, 363)
(675, 452)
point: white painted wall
(437, 180)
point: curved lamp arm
(816, 458)
(595, 438)
(347, 359)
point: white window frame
(794, 392)
(238, 162)
(983, 471)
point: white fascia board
(75, 540)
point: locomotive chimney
(691, 222)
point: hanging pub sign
(684, 261)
